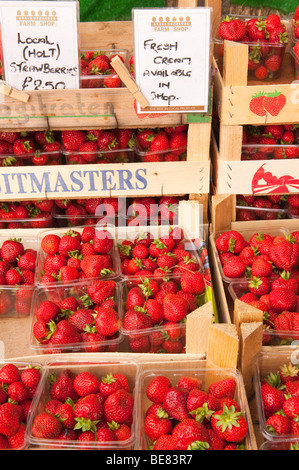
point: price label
(172, 58)
(40, 44)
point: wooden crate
(231, 175)
(233, 91)
(222, 212)
(105, 108)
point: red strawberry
(232, 29)
(231, 241)
(272, 398)
(9, 373)
(191, 435)
(282, 299)
(11, 250)
(256, 104)
(234, 267)
(192, 282)
(88, 407)
(107, 321)
(64, 333)
(175, 307)
(46, 426)
(175, 403)
(278, 424)
(224, 388)
(189, 383)
(284, 254)
(31, 376)
(72, 139)
(86, 383)
(274, 102)
(229, 424)
(157, 388)
(157, 424)
(134, 321)
(9, 419)
(119, 407)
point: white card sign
(172, 58)
(40, 44)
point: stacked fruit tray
(260, 269)
(88, 289)
(75, 403)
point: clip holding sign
(8, 90)
(128, 80)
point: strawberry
(11, 250)
(9, 373)
(17, 440)
(234, 268)
(88, 409)
(160, 142)
(69, 242)
(31, 376)
(47, 311)
(287, 322)
(157, 424)
(259, 285)
(94, 266)
(278, 424)
(282, 299)
(232, 29)
(135, 320)
(272, 398)
(192, 282)
(291, 407)
(175, 403)
(165, 442)
(229, 424)
(284, 254)
(274, 102)
(175, 307)
(231, 241)
(157, 388)
(18, 392)
(9, 419)
(256, 104)
(189, 383)
(190, 435)
(224, 388)
(107, 321)
(86, 383)
(64, 333)
(72, 139)
(119, 406)
(46, 426)
(81, 319)
(261, 267)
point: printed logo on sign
(39, 18)
(265, 182)
(168, 24)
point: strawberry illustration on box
(262, 103)
(264, 182)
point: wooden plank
(106, 35)
(111, 180)
(199, 138)
(244, 313)
(235, 63)
(258, 177)
(230, 142)
(223, 346)
(197, 326)
(83, 108)
(251, 341)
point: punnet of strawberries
(17, 276)
(97, 70)
(266, 38)
(18, 385)
(85, 409)
(155, 311)
(147, 253)
(278, 401)
(260, 254)
(268, 207)
(272, 141)
(296, 24)
(295, 55)
(98, 146)
(75, 255)
(165, 144)
(82, 318)
(180, 413)
(30, 148)
(27, 214)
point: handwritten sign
(40, 44)
(172, 58)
